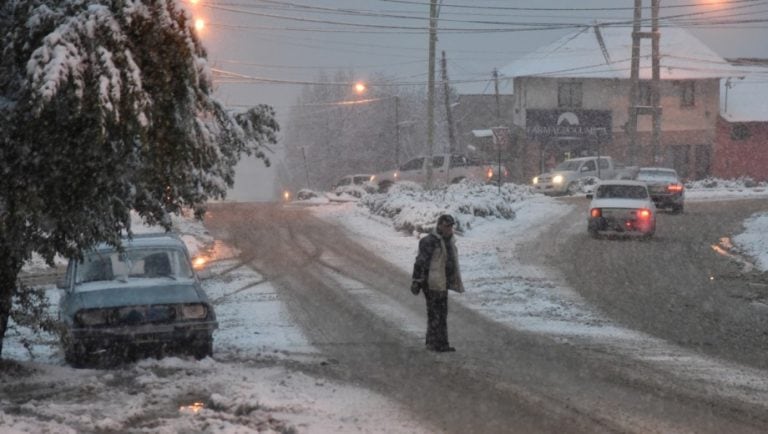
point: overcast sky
(272, 46)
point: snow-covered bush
(718, 183)
(412, 208)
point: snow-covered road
(252, 384)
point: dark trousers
(437, 318)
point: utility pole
(635, 108)
(496, 91)
(397, 132)
(431, 89)
(306, 168)
(655, 81)
(449, 116)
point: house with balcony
(572, 99)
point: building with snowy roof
(571, 98)
(741, 143)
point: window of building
(569, 94)
(687, 91)
(739, 132)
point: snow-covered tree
(105, 107)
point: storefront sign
(541, 124)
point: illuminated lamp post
(361, 88)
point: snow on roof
(743, 99)
(581, 54)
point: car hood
(139, 295)
(557, 172)
(621, 203)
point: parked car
(355, 185)
(145, 300)
(565, 177)
(665, 187)
(446, 169)
(621, 207)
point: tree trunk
(10, 266)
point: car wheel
(384, 186)
(457, 180)
(202, 348)
(677, 209)
(74, 355)
(572, 188)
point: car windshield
(614, 191)
(144, 263)
(568, 165)
(657, 175)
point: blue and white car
(621, 208)
(145, 300)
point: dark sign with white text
(542, 124)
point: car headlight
(194, 311)
(535, 180)
(558, 179)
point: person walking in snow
(435, 271)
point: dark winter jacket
(437, 264)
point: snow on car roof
(621, 182)
(148, 240)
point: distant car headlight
(92, 317)
(194, 311)
(558, 179)
(535, 180)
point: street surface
(502, 379)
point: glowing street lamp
(360, 88)
(199, 24)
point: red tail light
(596, 212)
(675, 188)
(644, 213)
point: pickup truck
(446, 168)
(565, 177)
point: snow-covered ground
(249, 386)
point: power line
(513, 8)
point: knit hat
(446, 219)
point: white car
(355, 185)
(621, 208)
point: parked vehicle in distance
(664, 186)
(564, 178)
(621, 207)
(446, 169)
(355, 185)
(145, 300)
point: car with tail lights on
(664, 186)
(446, 169)
(621, 208)
(142, 300)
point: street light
(199, 24)
(361, 88)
